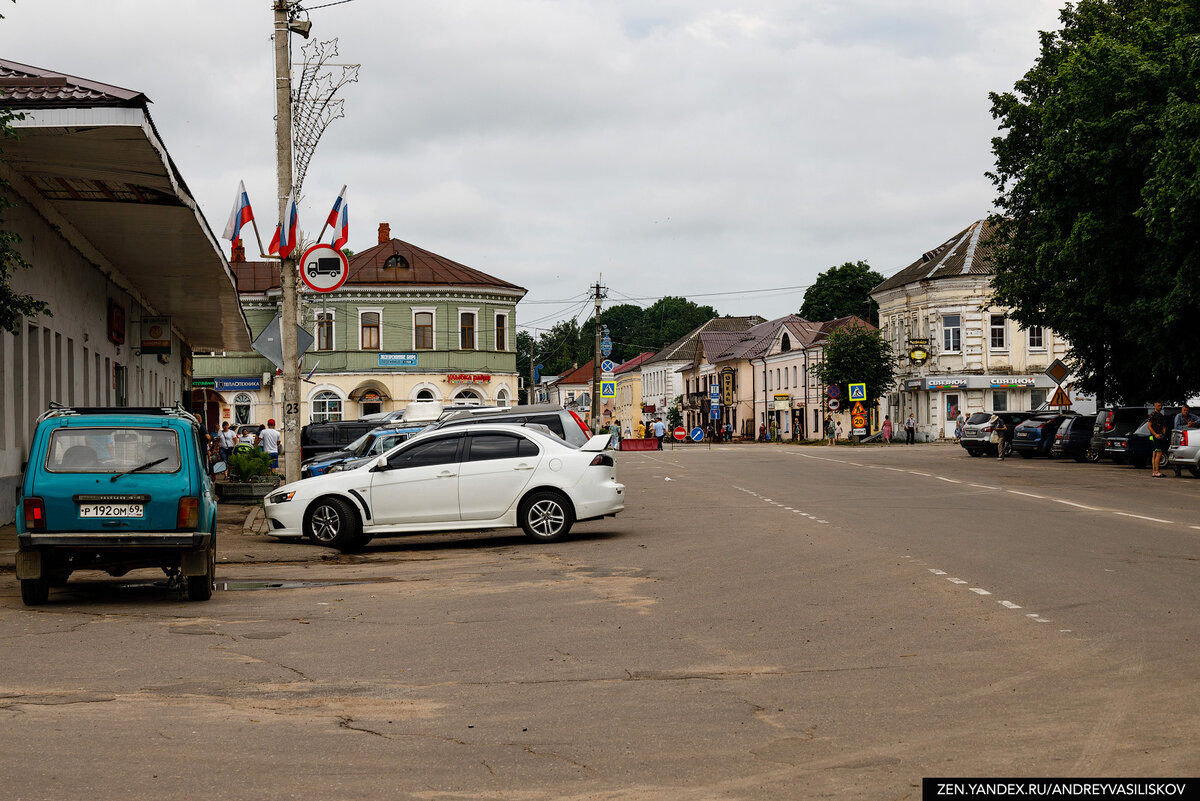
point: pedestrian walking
(910, 430)
(830, 430)
(839, 433)
(1158, 439)
(226, 439)
(959, 422)
(729, 432)
(268, 440)
(999, 435)
(659, 431)
(641, 430)
(887, 430)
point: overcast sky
(683, 147)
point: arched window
(326, 406)
(785, 344)
(502, 397)
(468, 397)
(242, 404)
(425, 395)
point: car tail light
(1183, 437)
(1108, 421)
(35, 514)
(1058, 436)
(587, 432)
(602, 460)
(189, 513)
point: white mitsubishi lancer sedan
(478, 477)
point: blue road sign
(608, 389)
(607, 366)
(833, 391)
(858, 392)
(606, 347)
(714, 414)
(696, 434)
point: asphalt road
(762, 622)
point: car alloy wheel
(332, 522)
(546, 517)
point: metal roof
(90, 161)
(969, 252)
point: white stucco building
(976, 358)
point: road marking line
(956, 581)
(937, 572)
(821, 521)
(1027, 494)
(896, 469)
(1196, 527)
(979, 591)
(984, 486)
(1076, 505)
(1143, 517)
(856, 464)
(1037, 617)
(915, 473)
(1009, 604)
(943, 478)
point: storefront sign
(727, 386)
(370, 396)
(918, 350)
(203, 383)
(231, 384)
(1012, 383)
(783, 402)
(467, 378)
(156, 335)
(397, 360)
(912, 383)
(945, 383)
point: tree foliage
(841, 292)
(13, 305)
(632, 329)
(1099, 173)
(856, 354)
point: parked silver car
(1185, 450)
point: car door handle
(523, 467)
(447, 474)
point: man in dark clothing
(1158, 438)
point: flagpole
(261, 253)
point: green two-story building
(407, 325)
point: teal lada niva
(116, 489)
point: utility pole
(532, 372)
(596, 367)
(290, 406)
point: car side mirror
(380, 464)
(219, 467)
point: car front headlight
(281, 497)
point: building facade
(117, 247)
(956, 351)
(407, 325)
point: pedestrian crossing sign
(858, 392)
(608, 389)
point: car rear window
(112, 450)
(978, 418)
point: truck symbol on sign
(329, 266)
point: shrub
(247, 466)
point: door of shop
(952, 410)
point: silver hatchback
(1185, 450)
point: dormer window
(785, 344)
(396, 262)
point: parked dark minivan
(1074, 438)
(1113, 425)
(1035, 436)
(977, 432)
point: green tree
(1099, 175)
(857, 354)
(841, 292)
(13, 305)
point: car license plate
(110, 510)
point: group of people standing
(229, 437)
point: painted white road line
(984, 486)
(895, 469)
(1027, 494)
(1037, 617)
(1143, 517)
(937, 572)
(979, 591)
(916, 473)
(951, 480)
(1076, 505)
(1009, 604)
(956, 581)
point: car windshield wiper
(140, 467)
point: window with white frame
(951, 333)
(326, 406)
(466, 330)
(369, 327)
(501, 331)
(998, 332)
(324, 331)
(422, 329)
(1036, 337)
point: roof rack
(58, 410)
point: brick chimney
(385, 232)
(239, 251)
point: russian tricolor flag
(284, 241)
(241, 214)
(339, 220)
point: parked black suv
(1113, 425)
(329, 436)
(977, 432)
(1074, 437)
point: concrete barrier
(648, 444)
